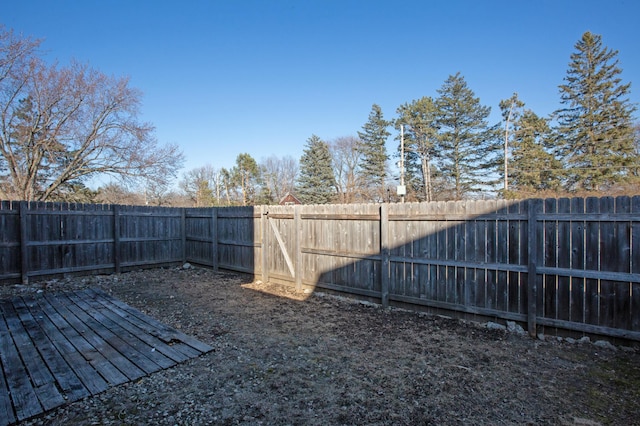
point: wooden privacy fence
(562, 263)
(569, 264)
(42, 239)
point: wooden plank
(481, 256)
(459, 253)
(167, 334)
(131, 335)
(177, 351)
(384, 251)
(471, 255)
(622, 243)
(550, 282)
(406, 244)
(589, 216)
(183, 234)
(129, 360)
(395, 268)
(117, 256)
(502, 256)
(24, 397)
(491, 257)
(534, 247)
(6, 409)
(264, 244)
(441, 244)
(608, 262)
(593, 329)
(435, 217)
(24, 239)
(174, 349)
(111, 365)
(333, 216)
(213, 234)
(513, 258)
(564, 252)
(635, 265)
(577, 262)
(36, 368)
(592, 262)
(459, 308)
(67, 380)
(90, 377)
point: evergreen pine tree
(467, 145)
(373, 166)
(316, 182)
(595, 126)
(420, 135)
(246, 176)
(532, 167)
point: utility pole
(402, 189)
(506, 151)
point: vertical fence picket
(635, 265)
(24, 243)
(534, 248)
(592, 262)
(577, 284)
(384, 250)
(607, 262)
(622, 250)
(563, 247)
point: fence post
(214, 238)
(263, 228)
(116, 238)
(24, 251)
(532, 282)
(297, 231)
(183, 230)
(384, 253)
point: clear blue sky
(222, 78)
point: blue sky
(222, 78)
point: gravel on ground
(287, 358)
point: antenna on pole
(402, 189)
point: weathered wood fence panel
(10, 247)
(561, 263)
(464, 256)
(239, 242)
(200, 228)
(150, 236)
(340, 248)
(45, 239)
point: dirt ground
(283, 358)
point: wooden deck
(59, 348)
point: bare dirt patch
(286, 358)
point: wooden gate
(280, 241)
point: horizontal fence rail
(570, 264)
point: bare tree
(346, 159)
(60, 126)
(113, 193)
(203, 185)
(278, 177)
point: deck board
(57, 348)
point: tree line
(450, 151)
(61, 126)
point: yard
(286, 358)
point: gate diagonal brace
(283, 248)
